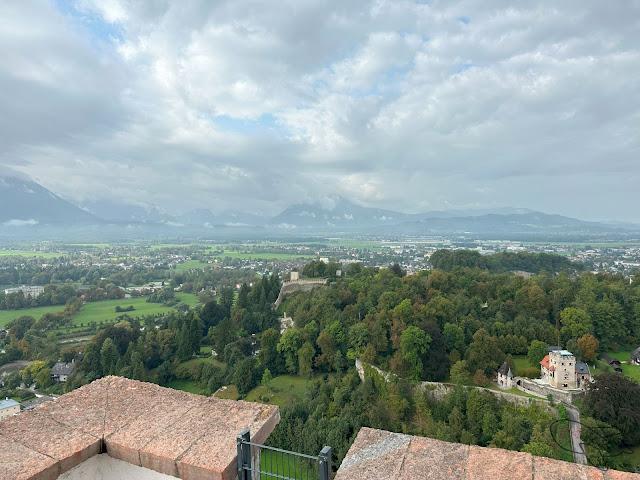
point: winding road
(576, 444)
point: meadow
(7, 315)
(99, 311)
(628, 369)
(261, 255)
(29, 253)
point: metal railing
(260, 462)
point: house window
(565, 385)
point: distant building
(560, 370)
(505, 376)
(635, 356)
(36, 402)
(8, 407)
(295, 276)
(61, 371)
(612, 362)
(27, 290)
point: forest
(457, 325)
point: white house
(8, 407)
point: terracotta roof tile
(159, 428)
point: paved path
(576, 444)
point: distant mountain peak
(29, 203)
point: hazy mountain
(29, 204)
(118, 212)
(532, 222)
(201, 217)
(25, 203)
(337, 212)
(475, 212)
(241, 219)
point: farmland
(7, 315)
(99, 311)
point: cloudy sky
(408, 105)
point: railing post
(325, 464)
(244, 455)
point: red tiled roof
(545, 364)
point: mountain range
(28, 204)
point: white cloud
(396, 104)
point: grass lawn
(7, 315)
(190, 386)
(189, 264)
(230, 393)
(515, 391)
(205, 350)
(631, 371)
(563, 438)
(285, 389)
(623, 355)
(521, 362)
(633, 458)
(264, 255)
(29, 253)
(190, 299)
(106, 310)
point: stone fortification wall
(296, 286)
(529, 386)
(438, 390)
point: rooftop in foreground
(164, 430)
(381, 455)
(131, 429)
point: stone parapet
(381, 455)
(168, 431)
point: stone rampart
(533, 388)
(437, 390)
(297, 286)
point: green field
(631, 371)
(230, 393)
(106, 310)
(633, 457)
(29, 253)
(7, 315)
(190, 386)
(263, 255)
(190, 299)
(99, 311)
(521, 362)
(515, 391)
(623, 355)
(285, 389)
(628, 369)
(189, 264)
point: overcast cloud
(405, 105)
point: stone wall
(438, 390)
(567, 396)
(296, 286)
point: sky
(254, 105)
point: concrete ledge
(165, 430)
(380, 455)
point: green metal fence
(260, 462)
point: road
(576, 444)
